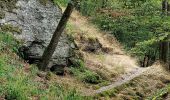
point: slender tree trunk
(48, 53)
(168, 40)
(164, 7)
(164, 45)
(168, 55)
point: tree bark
(164, 45)
(48, 53)
(164, 7)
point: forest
(84, 49)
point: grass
(158, 95)
(19, 80)
(107, 94)
(84, 74)
(10, 28)
(61, 2)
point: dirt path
(123, 79)
(117, 65)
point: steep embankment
(110, 60)
(108, 57)
(102, 53)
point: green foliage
(88, 7)
(61, 2)
(159, 94)
(139, 29)
(84, 74)
(8, 41)
(108, 93)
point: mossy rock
(8, 4)
(2, 15)
(44, 2)
(10, 28)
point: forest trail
(123, 79)
(118, 66)
(114, 63)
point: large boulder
(34, 23)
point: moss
(108, 93)
(8, 4)
(2, 15)
(10, 28)
(44, 2)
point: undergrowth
(84, 74)
(19, 80)
(137, 24)
(160, 94)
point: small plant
(61, 2)
(109, 93)
(15, 93)
(159, 94)
(91, 77)
(8, 41)
(84, 74)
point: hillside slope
(112, 61)
(101, 53)
(108, 55)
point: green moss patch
(2, 15)
(10, 28)
(44, 2)
(8, 4)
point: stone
(38, 23)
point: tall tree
(48, 53)
(164, 6)
(164, 45)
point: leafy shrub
(91, 77)
(84, 74)
(15, 93)
(159, 95)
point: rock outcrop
(34, 23)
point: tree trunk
(168, 9)
(48, 53)
(164, 45)
(164, 7)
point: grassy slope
(151, 85)
(21, 81)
